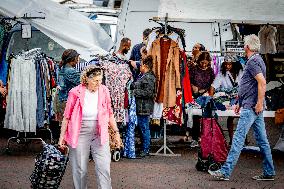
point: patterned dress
(129, 145)
(117, 76)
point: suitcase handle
(64, 151)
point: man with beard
(138, 53)
(124, 47)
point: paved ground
(151, 172)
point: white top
(90, 107)
(224, 82)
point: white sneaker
(218, 175)
(263, 178)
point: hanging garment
(2, 33)
(186, 86)
(129, 144)
(117, 75)
(267, 37)
(40, 96)
(166, 67)
(157, 111)
(22, 97)
(174, 114)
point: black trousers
(195, 131)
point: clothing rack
(221, 51)
(25, 140)
(20, 139)
(22, 17)
(164, 147)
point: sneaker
(194, 144)
(218, 175)
(142, 154)
(264, 177)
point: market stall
(64, 26)
(232, 12)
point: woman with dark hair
(196, 50)
(201, 78)
(227, 79)
(230, 75)
(201, 75)
(68, 78)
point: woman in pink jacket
(87, 115)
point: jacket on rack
(267, 37)
(168, 75)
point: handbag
(279, 116)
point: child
(144, 92)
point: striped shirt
(82, 65)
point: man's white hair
(253, 42)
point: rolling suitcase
(50, 167)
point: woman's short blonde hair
(90, 72)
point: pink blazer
(73, 112)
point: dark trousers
(195, 131)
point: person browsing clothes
(144, 92)
(68, 78)
(228, 80)
(201, 78)
(87, 116)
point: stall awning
(67, 27)
(235, 11)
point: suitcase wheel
(116, 155)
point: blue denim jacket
(68, 78)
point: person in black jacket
(144, 92)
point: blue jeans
(247, 119)
(143, 124)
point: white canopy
(235, 11)
(67, 27)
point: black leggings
(196, 127)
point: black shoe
(264, 177)
(142, 154)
